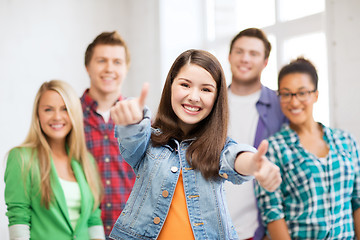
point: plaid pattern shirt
(117, 176)
(317, 196)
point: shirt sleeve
(227, 161)
(17, 189)
(270, 203)
(95, 217)
(355, 201)
(134, 139)
(19, 232)
(96, 232)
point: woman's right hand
(129, 112)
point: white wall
(43, 40)
(181, 29)
(142, 29)
(343, 31)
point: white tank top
(73, 199)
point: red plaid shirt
(117, 176)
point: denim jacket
(157, 169)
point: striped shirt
(117, 176)
(316, 197)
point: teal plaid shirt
(317, 196)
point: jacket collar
(294, 137)
(265, 97)
(59, 193)
(174, 144)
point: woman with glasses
(319, 197)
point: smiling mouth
(57, 126)
(108, 79)
(295, 111)
(243, 69)
(192, 109)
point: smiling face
(298, 112)
(193, 93)
(247, 60)
(53, 117)
(107, 69)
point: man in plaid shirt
(106, 60)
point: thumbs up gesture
(128, 112)
(256, 164)
(266, 172)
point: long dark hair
(204, 152)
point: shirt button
(224, 175)
(74, 236)
(108, 205)
(108, 182)
(165, 194)
(174, 169)
(108, 227)
(87, 108)
(156, 220)
(106, 137)
(107, 159)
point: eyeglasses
(302, 96)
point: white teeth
(57, 126)
(243, 68)
(295, 111)
(192, 109)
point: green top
(22, 197)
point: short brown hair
(107, 38)
(256, 33)
(202, 154)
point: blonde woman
(52, 186)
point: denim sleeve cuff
(227, 162)
(134, 129)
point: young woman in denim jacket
(183, 159)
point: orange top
(177, 224)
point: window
(294, 28)
(304, 45)
(294, 9)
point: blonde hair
(75, 141)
